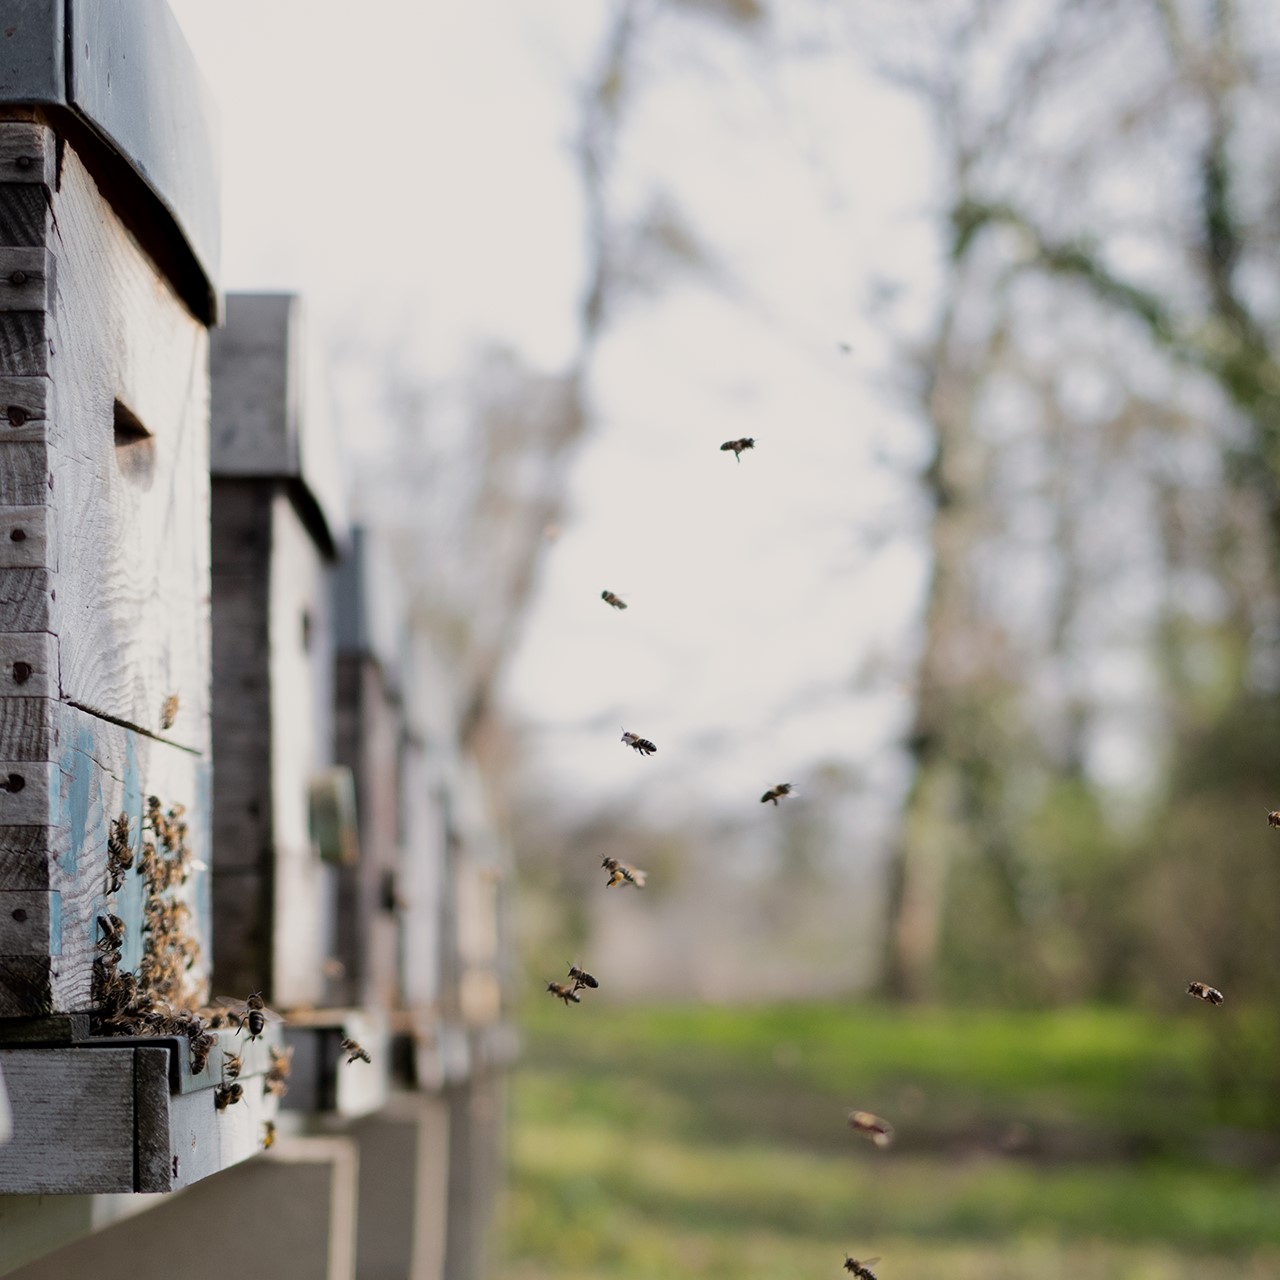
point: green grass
(706, 1142)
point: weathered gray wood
(28, 669)
(404, 1153)
(29, 923)
(26, 600)
(24, 473)
(153, 1159)
(26, 278)
(24, 214)
(287, 1216)
(25, 343)
(96, 771)
(73, 1121)
(130, 511)
(24, 409)
(26, 723)
(272, 896)
(28, 154)
(62, 1029)
(24, 541)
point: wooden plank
(131, 483)
(26, 986)
(61, 1029)
(28, 855)
(27, 727)
(73, 1121)
(26, 599)
(24, 409)
(30, 923)
(66, 807)
(153, 1159)
(26, 278)
(25, 343)
(29, 793)
(28, 153)
(28, 671)
(24, 214)
(24, 535)
(25, 476)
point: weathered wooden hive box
(277, 527)
(287, 854)
(108, 234)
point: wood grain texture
(28, 153)
(28, 669)
(53, 836)
(24, 539)
(24, 409)
(132, 606)
(26, 921)
(26, 278)
(26, 476)
(73, 1121)
(25, 343)
(24, 214)
(26, 600)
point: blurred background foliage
(1094, 680)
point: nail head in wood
(21, 672)
(18, 535)
(19, 915)
(22, 162)
(15, 782)
(17, 415)
(18, 277)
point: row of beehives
(375, 921)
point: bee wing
(638, 877)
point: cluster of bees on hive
(878, 1130)
(163, 998)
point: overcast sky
(407, 169)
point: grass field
(681, 1141)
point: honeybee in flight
(879, 1131)
(642, 745)
(622, 873)
(1203, 991)
(1273, 817)
(230, 1066)
(737, 446)
(568, 994)
(251, 1013)
(268, 1134)
(776, 793)
(609, 598)
(354, 1051)
(861, 1269)
(581, 978)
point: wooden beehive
(277, 528)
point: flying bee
(226, 1095)
(354, 1051)
(1203, 991)
(281, 1067)
(1273, 818)
(609, 598)
(581, 978)
(112, 933)
(251, 1013)
(642, 745)
(169, 711)
(622, 873)
(561, 992)
(231, 1065)
(776, 793)
(268, 1134)
(860, 1269)
(737, 446)
(879, 1131)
